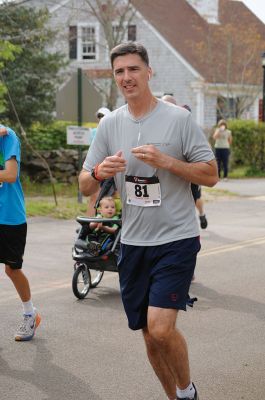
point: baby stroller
(94, 252)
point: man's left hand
(150, 155)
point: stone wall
(63, 164)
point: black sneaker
(203, 221)
(196, 396)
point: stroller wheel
(81, 281)
(96, 277)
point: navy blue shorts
(157, 276)
(12, 244)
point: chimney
(208, 9)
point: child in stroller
(97, 245)
(107, 209)
(103, 232)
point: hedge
(248, 147)
(51, 136)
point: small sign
(78, 135)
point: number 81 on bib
(143, 191)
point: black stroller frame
(94, 257)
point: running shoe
(203, 221)
(27, 329)
(196, 396)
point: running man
(150, 149)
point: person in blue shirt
(13, 229)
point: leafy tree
(114, 17)
(32, 77)
(231, 53)
(7, 52)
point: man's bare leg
(160, 366)
(169, 355)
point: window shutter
(132, 33)
(73, 42)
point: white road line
(259, 198)
(232, 247)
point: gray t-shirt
(172, 130)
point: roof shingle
(218, 52)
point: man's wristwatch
(94, 174)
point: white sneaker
(27, 329)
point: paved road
(83, 349)
(244, 187)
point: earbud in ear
(149, 77)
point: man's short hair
(129, 48)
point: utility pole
(79, 121)
(263, 97)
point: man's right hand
(111, 166)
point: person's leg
(196, 193)
(13, 242)
(154, 283)
(199, 206)
(218, 160)
(172, 271)
(225, 162)
(202, 216)
(223, 156)
(20, 282)
(31, 319)
(167, 350)
(160, 365)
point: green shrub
(48, 137)
(248, 147)
(51, 136)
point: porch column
(198, 89)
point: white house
(186, 46)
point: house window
(227, 107)
(120, 32)
(87, 43)
(83, 42)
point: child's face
(107, 208)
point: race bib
(142, 191)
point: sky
(256, 6)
